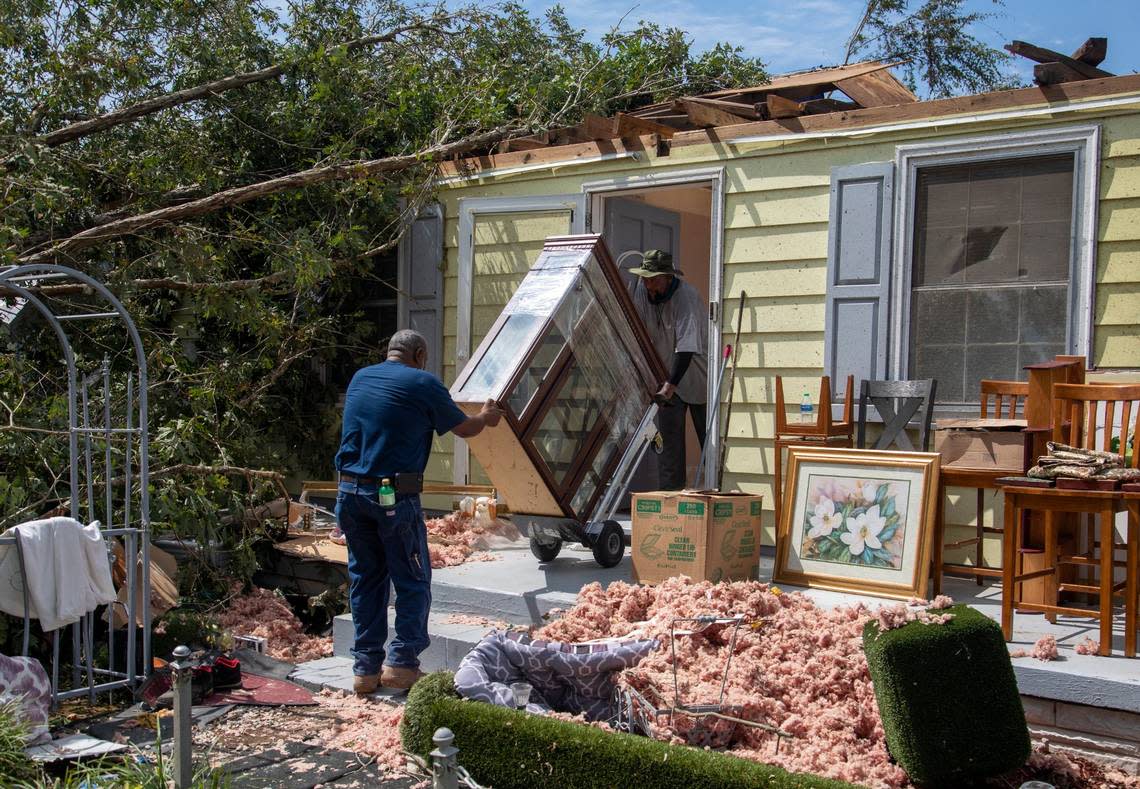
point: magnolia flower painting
(855, 521)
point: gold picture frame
(857, 520)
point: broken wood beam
(1055, 74)
(1092, 52)
(1042, 55)
(743, 112)
(779, 107)
(703, 114)
(595, 127)
(633, 126)
(819, 106)
(876, 89)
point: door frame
(598, 191)
(469, 209)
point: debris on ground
(476, 621)
(459, 537)
(1087, 647)
(1044, 649)
(266, 614)
(795, 666)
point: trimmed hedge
(506, 748)
(948, 698)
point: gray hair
(407, 342)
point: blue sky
(796, 34)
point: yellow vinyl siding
(775, 248)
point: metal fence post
(444, 765)
(182, 671)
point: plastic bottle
(387, 494)
(806, 415)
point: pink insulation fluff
(795, 666)
(364, 726)
(1087, 647)
(457, 538)
(263, 613)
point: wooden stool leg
(939, 539)
(981, 535)
(1008, 563)
(1106, 545)
(1052, 552)
(778, 490)
(1132, 580)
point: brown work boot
(400, 678)
(363, 684)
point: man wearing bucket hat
(674, 314)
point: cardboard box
(704, 535)
(981, 443)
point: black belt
(362, 480)
(405, 484)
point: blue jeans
(385, 544)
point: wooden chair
(1008, 401)
(1077, 421)
(821, 432)
(1007, 396)
(897, 402)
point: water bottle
(806, 416)
(387, 494)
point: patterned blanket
(573, 678)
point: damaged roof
(849, 96)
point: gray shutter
(420, 280)
(858, 274)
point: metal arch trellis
(128, 428)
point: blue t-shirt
(390, 411)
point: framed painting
(857, 520)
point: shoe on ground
(363, 684)
(227, 672)
(399, 677)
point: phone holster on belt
(409, 484)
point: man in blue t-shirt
(390, 412)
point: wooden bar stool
(822, 432)
(1008, 401)
(1132, 574)
(1077, 421)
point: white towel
(67, 571)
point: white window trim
(597, 191)
(1082, 141)
(469, 209)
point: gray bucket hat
(654, 263)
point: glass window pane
(494, 369)
(1004, 222)
(549, 347)
(562, 434)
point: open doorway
(678, 219)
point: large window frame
(1082, 142)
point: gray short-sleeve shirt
(678, 325)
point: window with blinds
(992, 256)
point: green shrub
(948, 698)
(505, 748)
(16, 769)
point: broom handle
(711, 421)
(731, 383)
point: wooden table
(982, 479)
(1051, 500)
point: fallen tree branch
(161, 283)
(345, 171)
(149, 106)
(250, 474)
